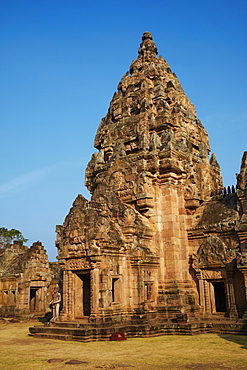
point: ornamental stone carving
(213, 252)
(156, 200)
(78, 264)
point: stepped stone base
(89, 332)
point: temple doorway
(219, 296)
(82, 294)
(35, 299)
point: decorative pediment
(212, 253)
(104, 222)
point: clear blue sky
(61, 61)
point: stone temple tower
(136, 250)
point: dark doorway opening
(220, 296)
(113, 289)
(33, 299)
(86, 294)
(82, 294)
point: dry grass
(207, 351)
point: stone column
(242, 266)
(201, 291)
(46, 307)
(21, 294)
(233, 313)
(206, 297)
(243, 269)
(95, 285)
(63, 314)
(68, 304)
(70, 299)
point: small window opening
(115, 289)
(147, 291)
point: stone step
(85, 333)
(52, 336)
(105, 333)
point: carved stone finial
(147, 48)
(242, 176)
(147, 35)
(213, 160)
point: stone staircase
(86, 332)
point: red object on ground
(118, 336)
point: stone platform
(82, 332)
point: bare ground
(19, 351)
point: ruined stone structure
(27, 280)
(161, 240)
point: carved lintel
(212, 274)
(78, 264)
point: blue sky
(61, 61)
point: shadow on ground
(46, 318)
(239, 339)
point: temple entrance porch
(216, 293)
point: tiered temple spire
(141, 246)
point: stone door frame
(206, 278)
(39, 296)
(82, 287)
(212, 296)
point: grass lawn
(206, 351)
